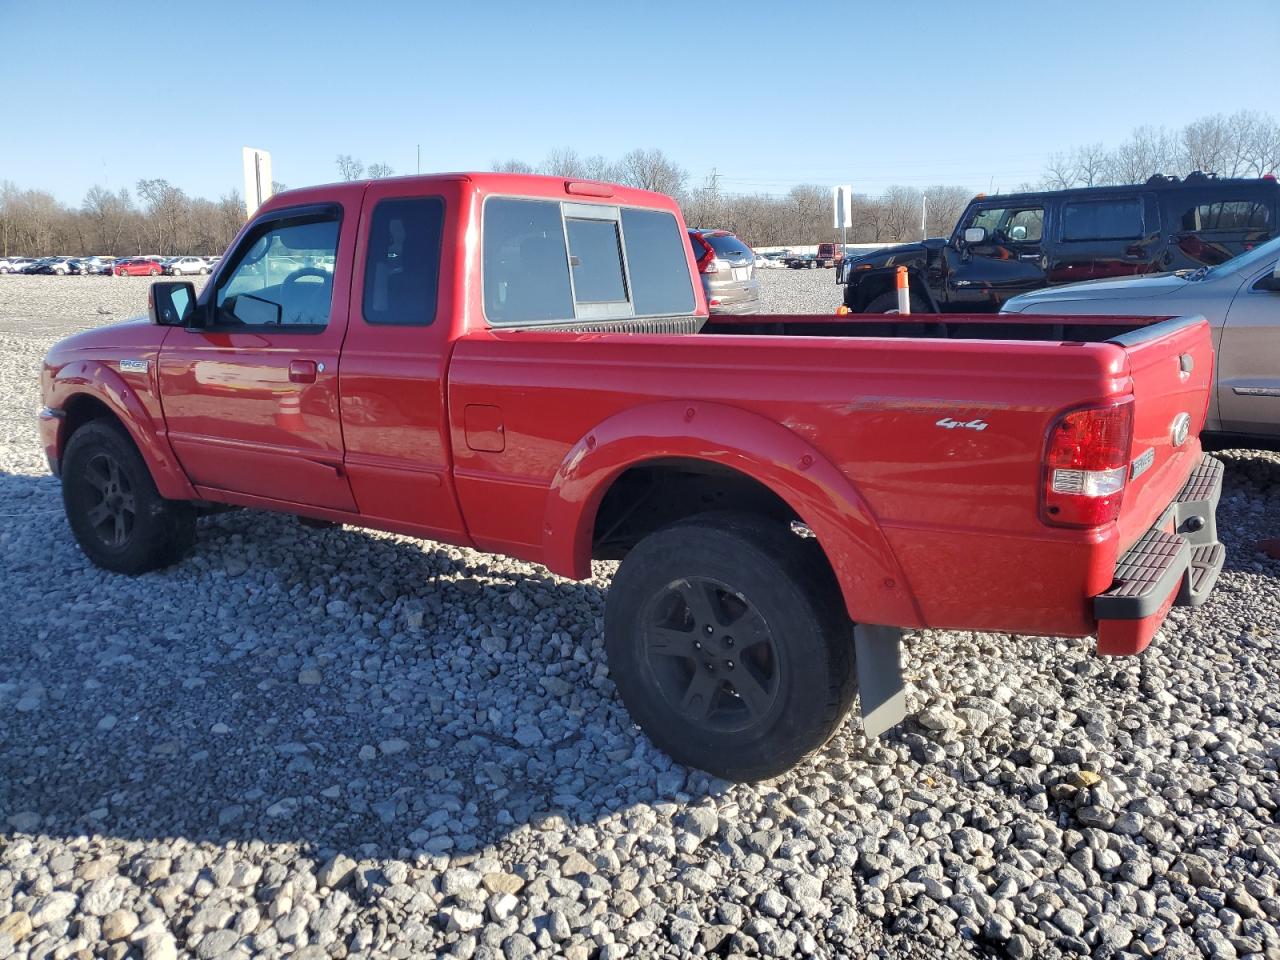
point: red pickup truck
(525, 365)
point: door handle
(1028, 256)
(302, 371)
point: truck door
(1248, 377)
(1098, 239)
(982, 275)
(394, 359)
(251, 397)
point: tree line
(1242, 144)
(159, 218)
(156, 218)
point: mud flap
(878, 652)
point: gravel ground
(336, 742)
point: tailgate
(1171, 363)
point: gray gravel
(337, 742)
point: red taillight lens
(706, 262)
(1086, 465)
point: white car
(182, 266)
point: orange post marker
(904, 291)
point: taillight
(1086, 464)
(707, 262)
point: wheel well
(656, 494)
(875, 286)
(82, 409)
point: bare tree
(1059, 172)
(1092, 164)
(349, 168)
(166, 207)
(1148, 151)
(562, 162)
(511, 166)
(278, 187)
(945, 206)
(651, 170)
(110, 215)
(379, 171)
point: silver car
(1241, 300)
(182, 266)
(728, 271)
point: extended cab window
(283, 276)
(1103, 220)
(402, 265)
(546, 260)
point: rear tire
(116, 514)
(155, 272)
(729, 644)
(888, 303)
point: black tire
(749, 575)
(119, 519)
(888, 303)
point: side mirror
(975, 234)
(171, 303)
(1018, 233)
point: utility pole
(419, 158)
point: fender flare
(875, 588)
(95, 379)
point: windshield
(1247, 260)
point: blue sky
(976, 94)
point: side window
(283, 278)
(1026, 226)
(526, 268)
(1227, 215)
(988, 218)
(660, 281)
(402, 262)
(1103, 220)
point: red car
(525, 365)
(137, 267)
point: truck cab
(1006, 245)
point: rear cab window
(548, 261)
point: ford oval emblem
(1180, 429)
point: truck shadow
(334, 689)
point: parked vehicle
(137, 267)
(14, 264)
(58, 266)
(38, 265)
(1240, 298)
(526, 365)
(727, 268)
(182, 266)
(1010, 244)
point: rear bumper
(1177, 561)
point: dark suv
(1012, 243)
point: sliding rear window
(548, 262)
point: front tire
(729, 644)
(155, 272)
(116, 514)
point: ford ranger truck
(525, 365)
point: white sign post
(257, 179)
(842, 199)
